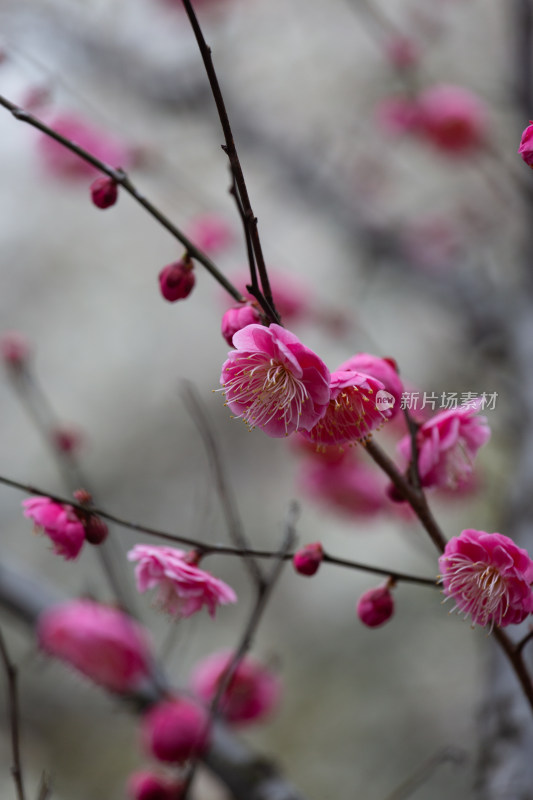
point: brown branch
(11, 675)
(231, 152)
(205, 548)
(121, 177)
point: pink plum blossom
(175, 730)
(236, 318)
(447, 445)
(102, 643)
(65, 164)
(348, 487)
(352, 412)
(59, 522)
(382, 369)
(147, 785)
(526, 145)
(489, 577)
(210, 233)
(452, 118)
(254, 690)
(176, 280)
(273, 382)
(307, 560)
(376, 606)
(183, 588)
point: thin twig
(234, 524)
(206, 549)
(264, 593)
(11, 675)
(231, 151)
(45, 787)
(425, 771)
(121, 177)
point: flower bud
(526, 145)
(14, 349)
(95, 529)
(177, 280)
(104, 192)
(146, 785)
(376, 606)
(236, 318)
(307, 560)
(65, 439)
(176, 730)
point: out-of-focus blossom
(348, 486)
(14, 349)
(210, 233)
(307, 560)
(66, 439)
(447, 445)
(104, 192)
(273, 382)
(102, 643)
(376, 606)
(402, 52)
(147, 785)
(353, 412)
(175, 730)
(236, 318)
(292, 296)
(59, 522)
(254, 690)
(489, 577)
(65, 164)
(397, 116)
(382, 369)
(183, 588)
(176, 280)
(452, 118)
(526, 145)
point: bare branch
(12, 693)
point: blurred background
(403, 246)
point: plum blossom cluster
(489, 577)
(274, 382)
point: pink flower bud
(453, 119)
(402, 52)
(237, 318)
(102, 643)
(526, 145)
(14, 349)
(96, 530)
(66, 440)
(82, 496)
(177, 280)
(176, 730)
(145, 785)
(307, 560)
(104, 192)
(376, 606)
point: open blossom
(274, 382)
(353, 410)
(102, 643)
(489, 577)
(382, 369)
(59, 522)
(526, 145)
(176, 730)
(447, 445)
(183, 588)
(254, 690)
(104, 146)
(452, 118)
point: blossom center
(481, 590)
